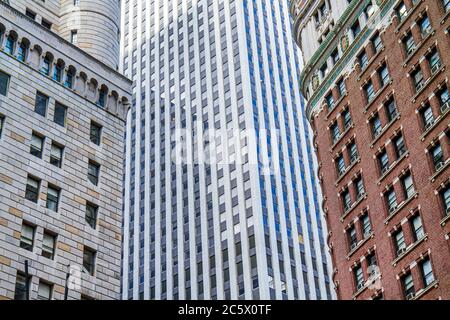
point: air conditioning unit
(354, 158)
(435, 67)
(439, 165)
(353, 246)
(367, 233)
(410, 50)
(429, 125)
(360, 286)
(392, 209)
(419, 85)
(384, 170)
(410, 296)
(400, 251)
(445, 106)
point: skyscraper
(220, 199)
(63, 107)
(376, 80)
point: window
(44, 291)
(437, 156)
(69, 79)
(9, 45)
(359, 277)
(20, 292)
(347, 119)
(353, 152)
(425, 26)
(335, 134)
(4, 83)
(434, 61)
(355, 29)
(384, 75)
(346, 199)
(2, 123)
(340, 165)
(74, 37)
(95, 133)
(446, 4)
(60, 114)
(369, 11)
(22, 52)
(391, 110)
(37, 145)
(341, 88)
(324, 70)
(56, 155)
(409, 44)
(445, 195)
(91, 215)
(101, 98)
(370, 92)
(416, 223)
(399, 242)
(444, 99)
(400, 148)
(408, 286)
(330, 101)
(417, 77)
(89, 260)
(48, 245)
(366, 226)
(45, 68)
(52, 198)
(352, 238)
(427, 272)
(408, 186)
(41, 104)
(46, 24)
(93, 172)
(377, 43)
(30, 14)
(27, 237)
(372, 264)
(359, 186)
(391, 199)
(363, 59)
(57, 73)
(427, 117)
(32, 189)
(335, 56)
(401, 12)
(376, 126)
(383, 161)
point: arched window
(58, 71)
(102, 94)
(46, 65)
(22, 50)
(9, 45)
(70, 75)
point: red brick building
(376, 79)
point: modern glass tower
(221, 199)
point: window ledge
(347, 170)
(392, 167)
(354, 205)
(400, 207)
(438, 172)
(436, 122)
(360, 244)
(419, 45)
(423, 291)
(410, 248)
(383, 131)
(380, 91)
(427, 83)
(445, 17)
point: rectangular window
(2, 124)
(93, 172)
(89, 260)
(402, 12)
(445, 194)
(391, 110)
(37, 145)
(427, 117)
(353, 152)
(417, 77)
(359, 277)
(434, 61)
(384, 75)
(52, 198)
(359, 185)
(32, 189)
(417, 227)
(74, 37)
(44, 291)
(377, 43)
(91, 215)
(444, 99)
(400, 148)
(356, 29)
(330, 101)
(409, 44)
(60, 114)
(340, 165)
(383, 161)
(437, 156)
(341, 88)
(366, 226)
(347, 200)
(347, 119)
(400, 244)
(4, 83)
(56, 155)
(391, 199)
(363, 59)
(446, 4)
(48, 245)
(27, 237)
(335, 134)
(41, 104)
(408, 286)
(425, 26)
(95, 133)
(370, 92)
(408, 186)
(20, 292)
(427, 272)
(352, 238)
